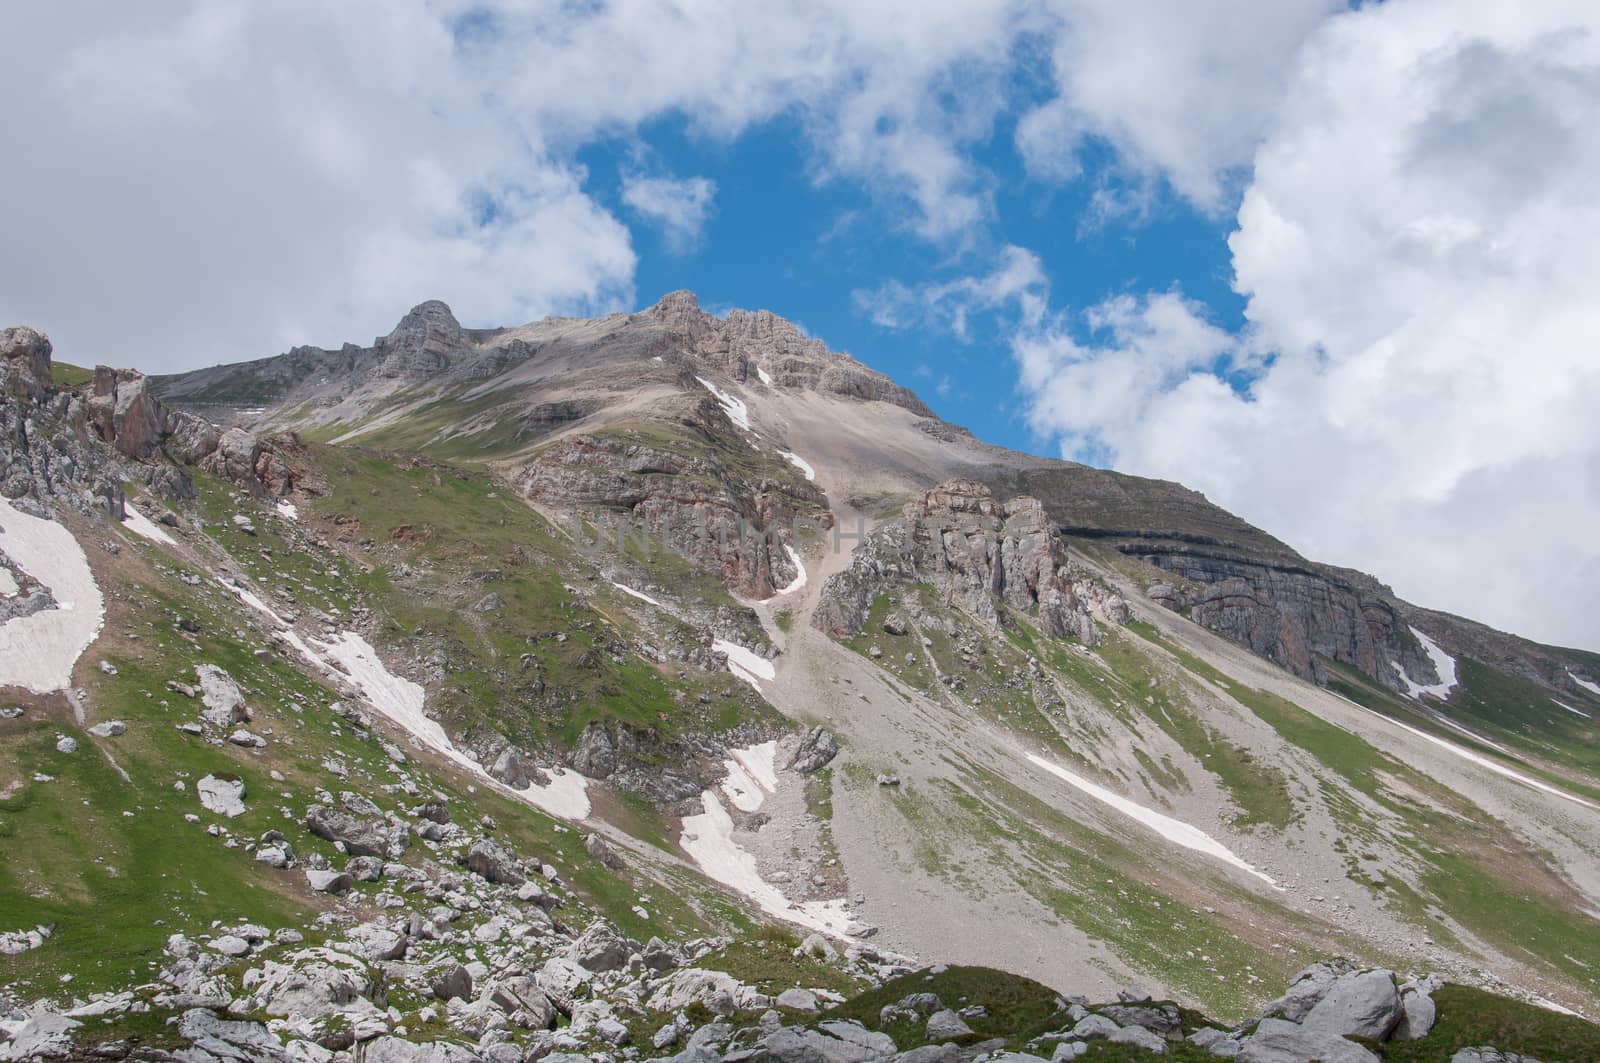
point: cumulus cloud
(1182, 91)
(1418, 248)
(679, 207)
(1016, 281)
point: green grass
(1019, 1008)
(67, 375)
(1470, 1017)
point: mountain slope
(1090, 728)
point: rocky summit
(667, 685)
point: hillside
(595, 686)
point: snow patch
(752, 775)
(708, 839)
(766, 377)
(1485, 762)
(1575, 712)
(144, 527)
(8, 584)
(800, 463)
(745, 664)
(735, 408)
(1584, 683)
(248, 597)
(288, 511)
(1444, 666)
(38, 651)
(1173, 830)
(800, 573)
(641, 595)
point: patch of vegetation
(1469, 1017)
(784, 620)
(1019, 1009)
(67, 375)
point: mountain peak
(429, 326)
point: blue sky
(1330, 263)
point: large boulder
(224, 703)
(1306, 989)
(488, 860)
(523, 1002)
(815, 751)
(360, 837)
(1360, 1004)
(1280, 1041)
(29, 351)
(600, 948)
(310, 983)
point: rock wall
(981, 553)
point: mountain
(592, 685)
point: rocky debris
(815, 751)
(602, 850)
(982, 554)
(516, 769)
(359, 836)
(325, 880)
(224, 702)
(40, 1035)
(493, 863)
(13, 942)
(109, 729)
(222, 794)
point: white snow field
(38, 652)
(641, 595)
(1173, 830)
(735, 408)
(800, 463)
(8, 584)
(745, 664)
(766, 377)
(1443, 664)
(708, 839)
(1584, 683)
(752, 775)
(143, 526)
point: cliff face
(47, 435)
(982, 554)
(1291, 614)
(693, 486)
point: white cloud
(1182, 91)
(679, 208)
(214, 181)
(1418, 247)
(1016, 282)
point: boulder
(595, 755)
(1360, 1004)
(488, 860)
(797, 1000)
(1280, 1041)
(600, 948)
(224, 704)
(360, 837)
(1306, 989)
(816, 750)
(523, 1002)
(602, 850)
(1417, 1015)
(223, 795)
(324, 880)
(452, 983)
(946, 1025)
